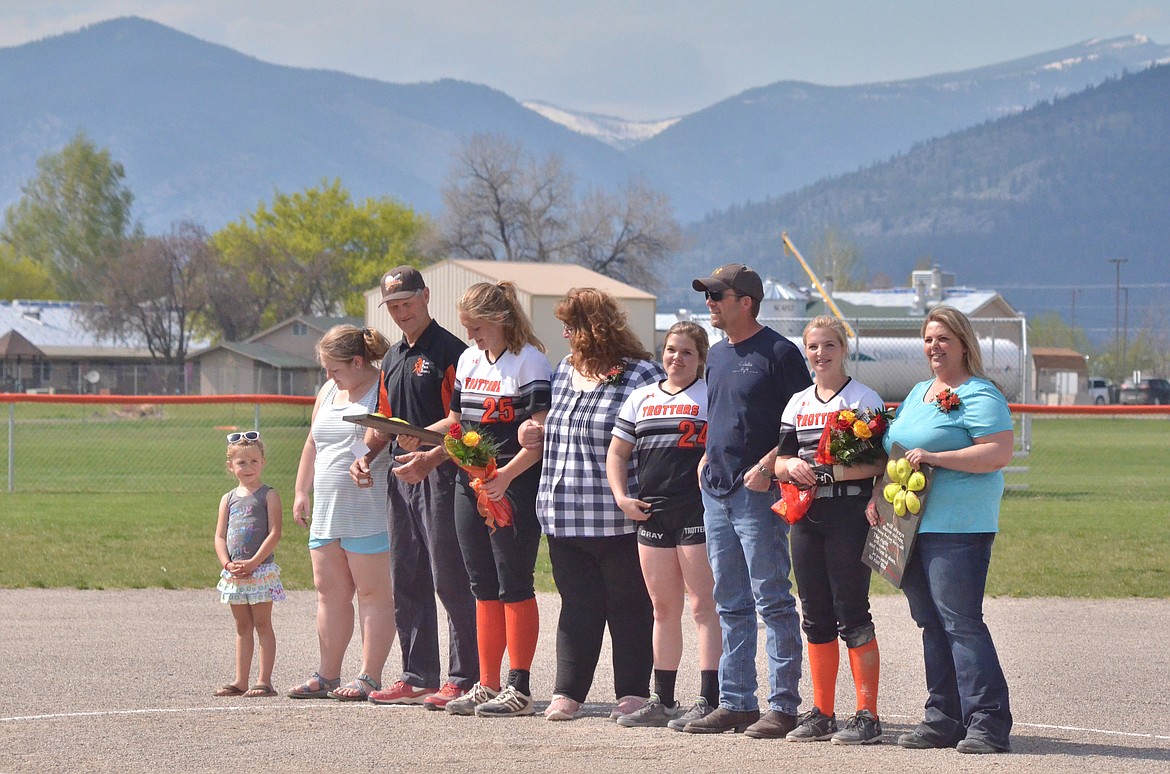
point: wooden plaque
(397, 427)
(888, 546)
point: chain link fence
(165, 444)
(175, 446)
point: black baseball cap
(733, 276)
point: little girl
(246, 533)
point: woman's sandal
(259, 690)
(306, 691)
(231, 689)
(360, 692)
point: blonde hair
(695, 333)
(498, 303)
(831, 323)
(599, 331)
(960, 325)
(345, 342)
(240, 445)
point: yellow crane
(791, 248)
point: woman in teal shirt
(959, 423)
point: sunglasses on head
(247, 435)
(717, 295)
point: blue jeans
(968, 695)
(747, 546)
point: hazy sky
(631, 58)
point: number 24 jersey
(669, 433)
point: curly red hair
(599, 331)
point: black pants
(832, 580)
(500, 565)
(600, 583)
(425, 560)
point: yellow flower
(861, 430)
(471, 439)
(848, 416)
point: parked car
(1147, 392)
(1101, 391)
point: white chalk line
(349, 707)
(179, 710)
(1046, 726)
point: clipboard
(395, 426)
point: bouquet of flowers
(476, 453)
(854, 437)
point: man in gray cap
(751, 375)
(418, 376)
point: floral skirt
(263, 585)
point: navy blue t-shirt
(748, 386)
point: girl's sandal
(230, 689)
(259, 690)
(306, 690)
(359, 691)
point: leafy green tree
(73, 216)
(835, 257)
(312, 252)
(1146, 350)
(1050, 330)
(22, 277)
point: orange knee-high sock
(865, 664)
(523, 622)
(492, 639)
(823, 660)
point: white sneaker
(466, 704)
(508, 704)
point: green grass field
(104, 500)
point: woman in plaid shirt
(592, 545)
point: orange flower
(861, 430)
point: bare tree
(625, 236)
(504, 205)
(153, 291)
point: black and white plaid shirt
(574, 498)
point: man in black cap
(750, 377)
(418, 377)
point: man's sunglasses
(247, 435)
(717, 295)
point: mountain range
(1029, 173)
(206, 132)
(1037, 205)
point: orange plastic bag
(794, 502)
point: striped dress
(340, 508)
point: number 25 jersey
(500, 395)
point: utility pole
(1125, 333)
(1117, 313)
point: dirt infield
(122, 681)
